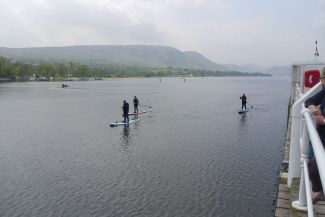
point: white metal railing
(304, 133)
(296, 122)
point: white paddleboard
(243, 111)
(119, 123)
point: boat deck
(285, 198)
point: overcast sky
(263, 32)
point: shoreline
(105, 78)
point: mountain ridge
(149, 56)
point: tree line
(15, 70)
(19, 71)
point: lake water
(192, 155)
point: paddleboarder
(125, 108)
(135, 104)
(243, 101)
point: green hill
(130, 55)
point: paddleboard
(243, 111)
(119, 123)
(139, 113)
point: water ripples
(191, 156)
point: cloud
(319, 20)
(74, 22)
(226, 31)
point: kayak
(119, 123)
(243, 111)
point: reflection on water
(126, 134)
(126, 138)
(243, 119)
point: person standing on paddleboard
(125, 108)
(243, 101)
(135, 104)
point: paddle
(141, 112)
(146, 106)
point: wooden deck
(286, 196)
(283, 202)
(320, 209)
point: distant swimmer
(125, 108)
(243, 101)
(64, 85)
(135, 104)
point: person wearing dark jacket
(135, 104)
(316, 104)
(125, 108)
(243, 101)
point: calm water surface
(191, 156)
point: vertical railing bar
(308, 190)
(301, 203)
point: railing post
(294, 169)
(295, 80)
(301, 204)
